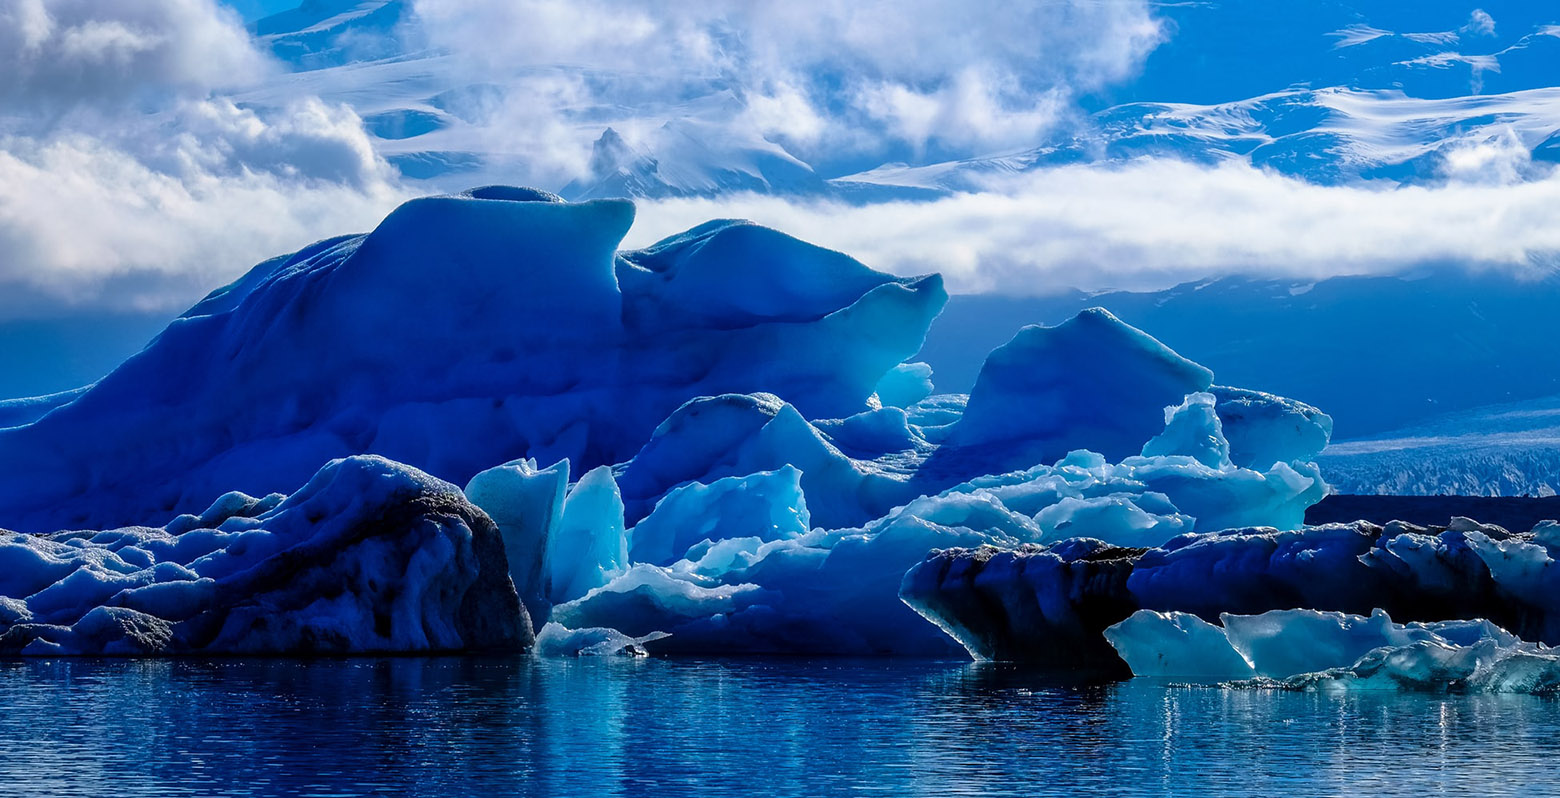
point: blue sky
(255, 9)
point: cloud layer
(57, 54)
(823, 75)
(1155, 223)
(127, 180)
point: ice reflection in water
(732, 727)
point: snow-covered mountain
(1329, 93)
(1331, 135)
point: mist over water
(780, 727)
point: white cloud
(1154, 223)
(1500, 160)
(87, 220)
(1480, 23)
(126, 181)
(59, 53)
(820, 75)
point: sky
(152, 151)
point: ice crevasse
(714, 444)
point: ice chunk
(1283, 643)
(1117, 518)
(587, 546)
(1043, 606)
(1303, 649)
(1092, 383)
(1263, 429)
(369, 557)
(905, 385)
(555, 640)
(713, 438)
(646, 599)
(989, 601)
(526, 504)
(767, 505)
(1192, 429)
(1177, 645)
(824, 592)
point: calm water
(735, 727)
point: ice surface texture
(369, 557)
(1049, 605)
(753, 529)
(1306, 649)
(465, 331)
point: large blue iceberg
(716, 444)
(464, 332)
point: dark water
(737, 727)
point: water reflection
(463, 726)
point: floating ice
(904, 385)
(369, 557)
(768, 505)
(464, 332)
(1305, 649)
(1090, 383)
(758, 468)
(526, 503)
(557, 641)
(588, 545)
(1008, 604)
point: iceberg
(765, 506)
(742, 458)
(1092, 383)
(1310, 650)
(558, 641)
(369, 556)
(1003, 604)
(720, 499)
(525, 503)
(464, 332)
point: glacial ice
(1306, 649)
(768, 505)
(464, 332)
(1015, 604)
(588, 545)
(904, 385)
(1090, 383)
(369, 556)
(757, 467)
(526, 503)
(555, 640)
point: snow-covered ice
(369, 556)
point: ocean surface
(749, 727)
